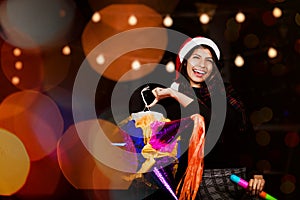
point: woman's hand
(161, 93)
(256, 184)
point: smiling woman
(199, 66)
(198, 84)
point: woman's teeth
(199, 71)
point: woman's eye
(196, 57)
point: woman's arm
(161, 93)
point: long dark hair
(210, 86)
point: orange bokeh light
(81, 168)
(35, 119)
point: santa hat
(191, 43)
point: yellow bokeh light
(266, 113)
(240, 17)
(287, 187)
(263, 138)
(277, 12)
(15, 163)
(297, 19)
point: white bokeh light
(168, 21)
(136, 65)
(170, 67)
(272, 52)
(132, 20)
(239, 61)
(204, 18)
(100, 59)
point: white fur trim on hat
(198, 41)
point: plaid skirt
(216, 185)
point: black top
(233, 142)
(236, 142)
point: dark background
(261, 82)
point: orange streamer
(190, 183)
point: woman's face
(199, 66)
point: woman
(197, 81)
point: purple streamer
(164, 182)
(164, 133)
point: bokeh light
(168, 21)
(34, 23)
(297, 46)
(17, 52)
(268, 18)
(166, 6)
(55, 67)
(15, 163)
(288, 177)
(263, 165)
(263, 115)
(251, 41)
(279, 69)
(112, 24)
(66, 50)
(287, 187)
(43, 179)
(239, 61)
(267, 114)
(277, 12)
(136, 65)
(272, 52)
(18, 65)
(232, 31)
(240, 17)
(82, 169)
(35, 119)
(100, 59)
(132, 20)
(32, 66)
(204, 18)
(15, 80)
(96, 17)
(263, 138)
(291, 139)
(297, 19)
(170, 67)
